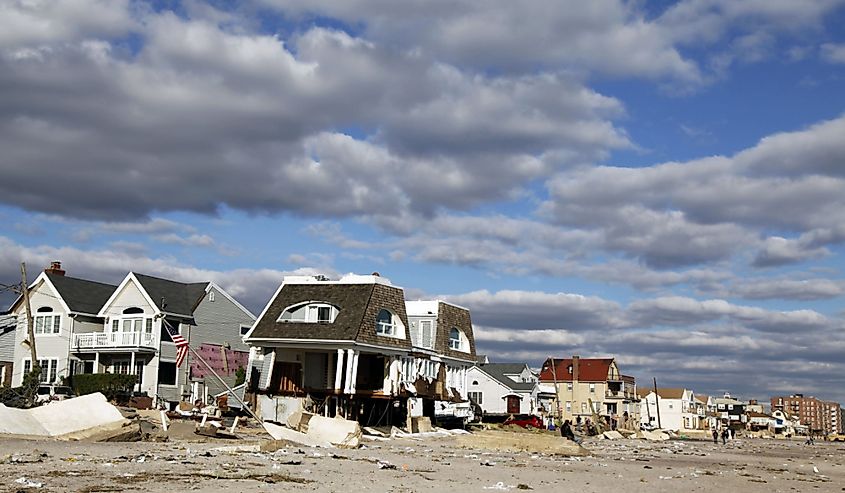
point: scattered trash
(383, 464)
(499, 486)
(28, 483)
(488, 463)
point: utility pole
(557, 390)
(657, 402)
(28, 308)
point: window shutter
(425, 328)
(266, 371)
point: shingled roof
(499, 372)
(357, 304)
(179, 298)
(80, 295)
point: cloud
(787, 289)
(708, 210)
(252, 287)
(202, 116)
(833, 53)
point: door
(513, 404)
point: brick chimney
(576, 360)
(55, 268)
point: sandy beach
(421, 465)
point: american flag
(181, 343)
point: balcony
(114, 340)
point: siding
(218, 322)
(452, 316)
(48, 346)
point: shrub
(111, 385)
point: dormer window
(47, 324)
(455, 339)
(389, 324)
(310, 312)
(384, 323)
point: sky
(660, 182)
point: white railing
(112, 340)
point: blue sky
(658, 181)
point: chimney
(575, 363)
(55, 268)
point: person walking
(724, 436)
(715, 436)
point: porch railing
(112, 340)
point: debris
(383, 464)
(488, 463)
(28, 483)
(498, 486)
(69, 419)
(612, 435)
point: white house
(670, 409)
(60, 306)
(131, 338)
(502, 389)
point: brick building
(819, 416)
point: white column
(96, 362)
(353, 384)
(338, 373)
(350, 356)
(132, 366)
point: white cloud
(833, 53)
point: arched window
(310, 312)
(384, 323)
(44, 309)
(133, 310)
(455, 339)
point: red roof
(589, 370)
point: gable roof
(499, 372)
(179, 298)
(81, 295)
(589, 370)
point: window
(569, 386)
(211, 296)
(592, 388)
(476, 397)
(49, 369)
(455, 339)
(384, 323)
(568, 406)
(167, 373)
(309, 312)
(165, 335)
(426, 334)
(120, 367)
(245, 329)
(583, 407)
(48, 324)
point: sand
(428, 465)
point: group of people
(726, 434)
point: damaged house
(354, 348)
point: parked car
(48, 393)
(528, 422)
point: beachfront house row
(674, 409)
(84, 326)
(353, 347)
(577, 382)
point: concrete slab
(67, 417)
(279, 432)
(340, 432)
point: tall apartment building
(820, 416)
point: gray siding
(7, 338)
(218, 322)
